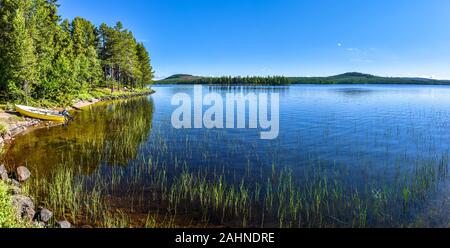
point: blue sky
(283, 37)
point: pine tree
(86, 61)
(45, 34)
(129, 61)
(44, 58)
(18, 61)
(144, 65)
(105, 53)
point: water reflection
(108, 133)
(354, 92)
(282, 90)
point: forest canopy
(44, 57)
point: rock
(23, 173)
(14, 190)
(44, 215)
(3, 173)
(24, 207)
(14, 182)
(63, 224)
(4, 176)
(39, 224)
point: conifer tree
(18, 59)
(144, 65)
(44, 58)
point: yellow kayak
(41, 114)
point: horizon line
(158, 78)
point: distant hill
(179, 79)
(346, 78)
(361, 78)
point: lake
(345, 156)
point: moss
(3, 129)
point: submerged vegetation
(182, 196)
(45, 59)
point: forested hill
(346, 78)
(361, 78)
(44, 57)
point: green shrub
(9, 107)
(85, 96)
(8, 218)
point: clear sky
(283, 37)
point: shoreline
(27, 211)
(15, 124)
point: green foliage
(361, 78)
(44, 59)
(244, 81)
(188, 79)
(125, 62)
(17, 57)
(3, 129)
(8, 218)
(147, 73)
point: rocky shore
(14, 126)
(26, 209)
(24, 206)
(82, 104)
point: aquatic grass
(318, 199)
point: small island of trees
(276, 80)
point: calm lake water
(347, 155)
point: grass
(101, 93)
(282, 201)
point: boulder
(23, 174)
(44, 215)
(63, 224)
(3, 173)
(24, 207)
